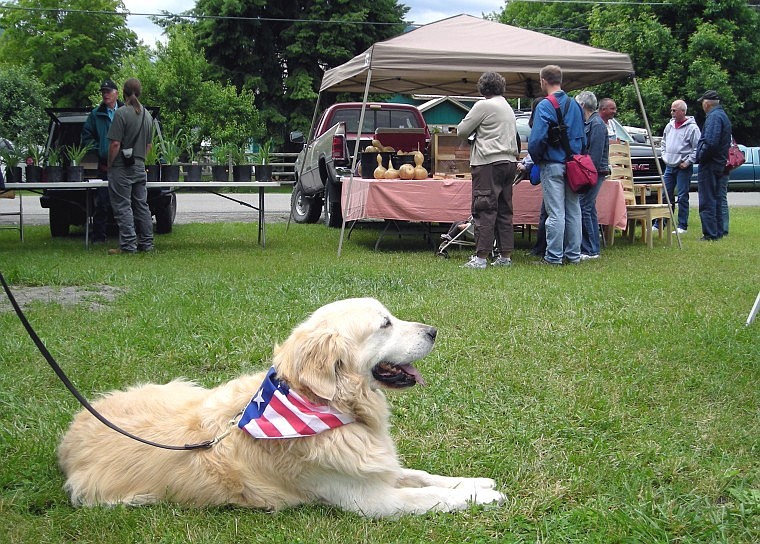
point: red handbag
(735, 156)
(580, 172)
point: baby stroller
(461, 233)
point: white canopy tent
(447, 57)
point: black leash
(83, 401)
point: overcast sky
(421, 12)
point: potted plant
(152, 166)
(241, 168)
(52, 172)
(170, 149)
(34, 164)
(75, 153)
(220, 156)
(193, 170)
(11, 158)
(262, 162)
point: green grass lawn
(614, 401)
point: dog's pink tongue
(409, 369)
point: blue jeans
(710, 207)
(723, 203)
(563, 222)
(677, 181)
(589, 219)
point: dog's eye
(387, 323)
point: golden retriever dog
(341, 357)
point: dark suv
(68, 206)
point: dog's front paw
(483, 483)
(488, 496)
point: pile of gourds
(405, 171)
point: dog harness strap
(83, 401)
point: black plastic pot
(53, 174)
(263, 172)
(13, 174)
(153, 172)
(193, 173)
(75, 173)
(33, 173)
(242, 172)
(170, 173)
(220, 172)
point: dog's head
(353, 343)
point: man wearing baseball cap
(712, 152)
(94, 134)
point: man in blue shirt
(563, 223)
(712, 153)
(94, 134)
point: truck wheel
(304, 209)
(333, 212)
(165, 216)
(59, 221)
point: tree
(23, 99)
(177, 78)
(679, 50)
(70, 45)
(281, 56)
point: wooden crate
(450, 156)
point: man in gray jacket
(679, 151)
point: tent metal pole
(311, 130)
(656, 162)
(356, 155)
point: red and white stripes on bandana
(275, 411)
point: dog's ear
(310, 359)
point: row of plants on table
(63, 164)
(162, 161)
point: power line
(187, 15)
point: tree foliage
(177, 78)
(22, 107)
(678, 50)
(68, 44)
(281, 57)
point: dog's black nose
(432, 332)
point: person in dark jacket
(599, 151)
(95, 134)
(712, 153)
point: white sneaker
(502, 261)
(679, 230)
(475, 262)
(585, 257)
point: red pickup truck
(329, 152)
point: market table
(449, 200)
(207, 186)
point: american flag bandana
(277, 412)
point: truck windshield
(384, 118)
